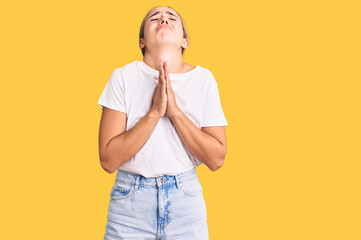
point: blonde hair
(141, 32)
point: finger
(162, 77)
(158, 85)
(167, 76)
(166, 70)
(160, 70)
(168, 87)
(160, 74)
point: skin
(166, 43)
(163, 53)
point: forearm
(204, 147)
(124, 146)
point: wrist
(154, 116)
(175, 115)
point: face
(163, 27)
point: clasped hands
(164, 101)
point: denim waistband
(132, 179)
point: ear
(141, 43)
(185, 43)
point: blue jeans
(165, 207)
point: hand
(172, 107)
(160, 96)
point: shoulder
(203, 73)
(125, 70)
(202, 70)
(127, 67)
(209, 77)
(188, 67)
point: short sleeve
(113, 96)
(212, 109)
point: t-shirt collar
(173, 76)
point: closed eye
(170, 19)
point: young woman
(161, 118)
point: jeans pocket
(192, 187)
(121, 191)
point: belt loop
(136, 184)
(176, 181)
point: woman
(161, 118)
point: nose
(164, 20)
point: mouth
(163, 26)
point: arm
(208, 144)
(116, 145)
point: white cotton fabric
(131, 88)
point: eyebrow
(166, 12)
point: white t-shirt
(131, 88)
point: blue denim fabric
(165, 207)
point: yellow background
(289, 81)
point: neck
(173, 57)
